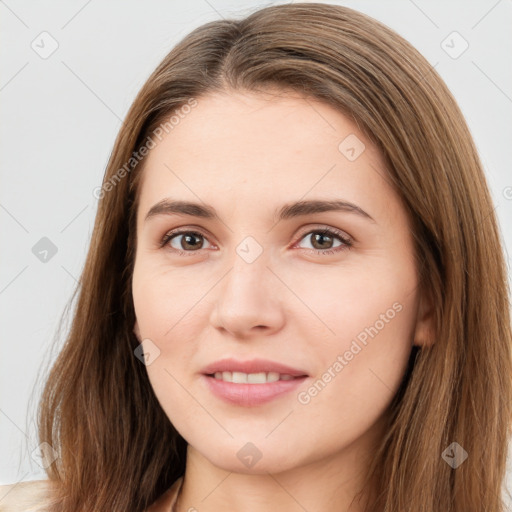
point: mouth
(251, 383)
(252, 378)
(252, 371)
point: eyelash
(347, 243)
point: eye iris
(322, 237)
(185, 241)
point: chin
(255, 458)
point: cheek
(171, 314)
(371, 315)
(342, 302)
(166, 315)
(357, 381)
(165, 301)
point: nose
(249, 300)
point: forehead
(255, 150)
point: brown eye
(323, 241)
(184, 241)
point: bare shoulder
(28, 496)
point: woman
(221, 356)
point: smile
(238, 388)
(251, 378)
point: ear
(136, 330)
(424, 332)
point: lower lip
(249, 395)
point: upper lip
(252, 366)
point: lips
(251, 383)
(251, 367)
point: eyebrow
(168, 206)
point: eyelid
(329, 229)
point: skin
(247, 154)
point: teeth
(251, 378)
(237, 377)
(257, 378)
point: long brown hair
(118, 450)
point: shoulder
(29, 496)
(35, 496)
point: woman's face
(328, 291)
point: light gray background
(60, 116)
